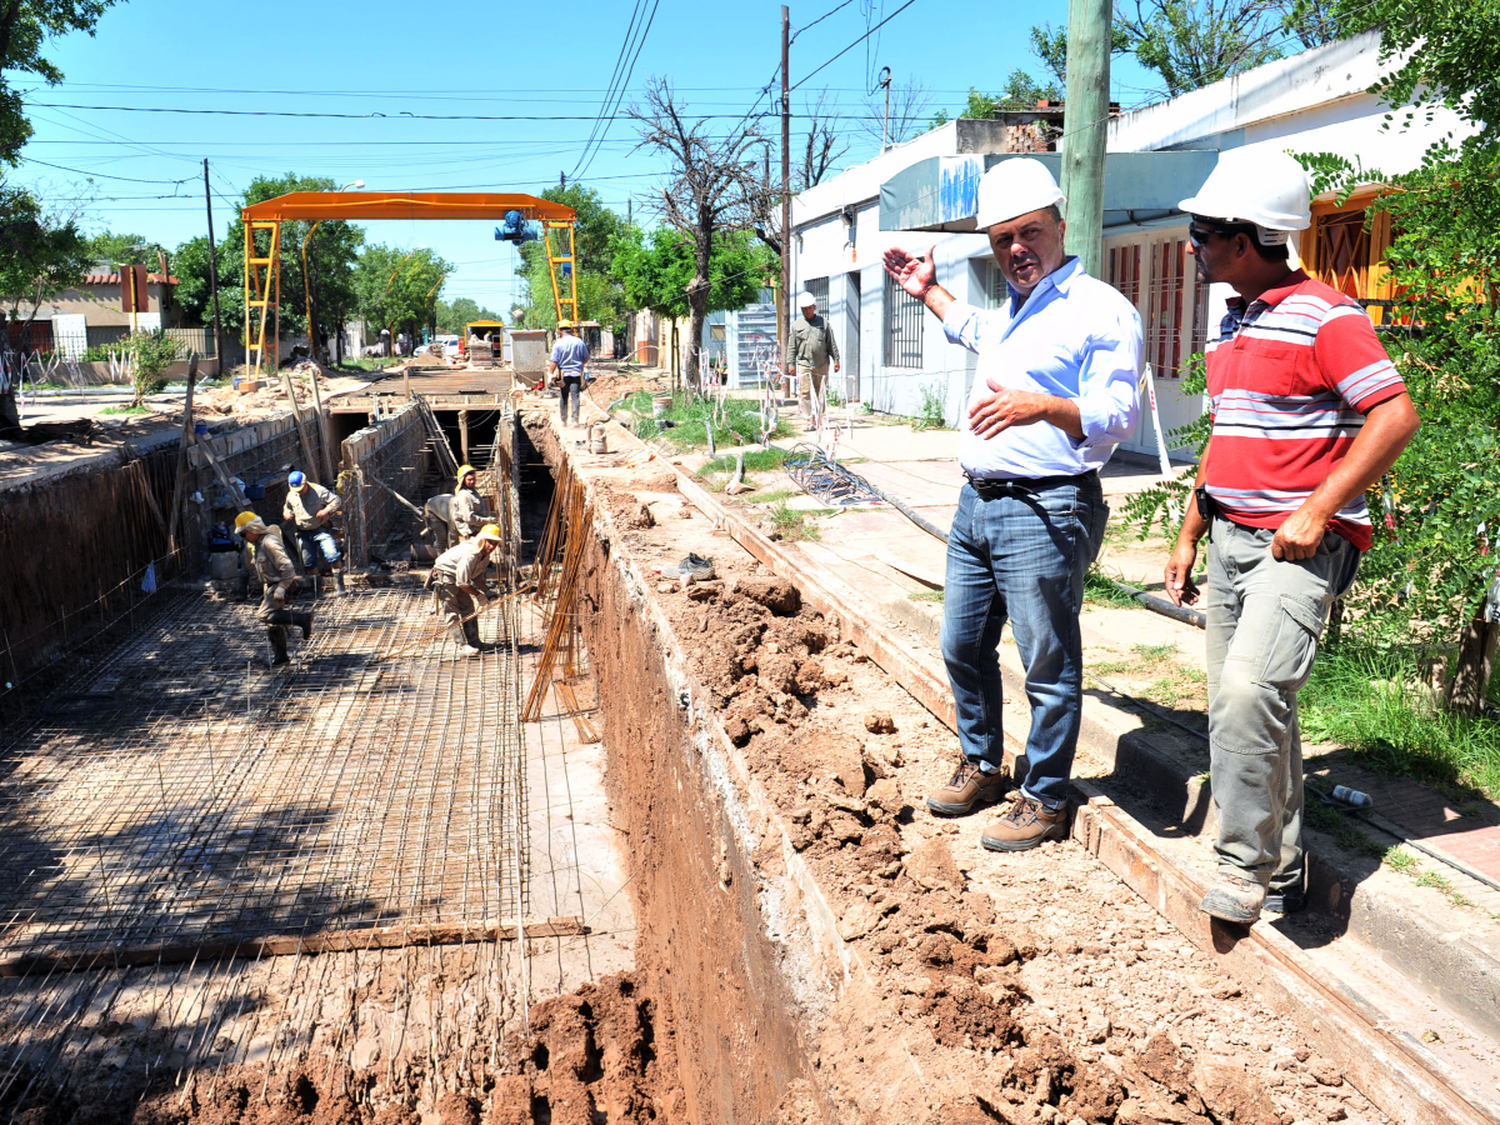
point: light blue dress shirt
(1075, 337)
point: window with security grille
(818, 287)
(903, 326)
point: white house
(922, 194)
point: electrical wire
(609, 113)
(855, 44)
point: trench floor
(175, 802)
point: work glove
(481, 602)
(278, 596)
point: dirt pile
(1029, 988)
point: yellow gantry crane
(263, 244)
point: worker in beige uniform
(468, 512)
(809, 348)
(273, 566)
(458, 583)
(310, 507)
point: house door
(851, 337)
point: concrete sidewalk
(1129, 649)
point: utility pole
(562, 180)
(213, 275)
(885, 128)
(786, 179)
(1086, 129)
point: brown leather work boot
(1025, 825)
(1234, 898)
(970, 786)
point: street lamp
(307, 288)
(414, 252)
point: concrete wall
(377, 459)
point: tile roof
(114, 279)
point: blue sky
(377, 62)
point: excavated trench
(808, 946)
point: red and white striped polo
(1290, 380)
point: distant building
(89, 315)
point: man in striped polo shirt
(1308, 412)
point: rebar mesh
(175, 793)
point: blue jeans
(1021, 557)
(318, 547)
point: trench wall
(727, 952)
(378, 459)
(81, 544)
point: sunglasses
(1199, 235)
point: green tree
(451, 318)
(1021, 91)
(657, 269)
(596, 226)
(716, 187)
(1429, 572)
(40, 255)
(111, 251)
(398, 289)
(331, 257)
(150, 355)
(1192, 43)
(25, 27)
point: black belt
(992, 488)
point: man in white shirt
(1057, 388)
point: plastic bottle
(1352, 797)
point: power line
(404, 115)
(610, 106)
(107, 176)
(856, 43)
(819, 20)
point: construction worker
(1308, 412)
(569, 357)
(273, 566)
(309, 506)
(458, 583)
(809, 347)
(467, 512)
(437, 513)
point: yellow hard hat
(242, 519)
(565, 323)
(489, 531)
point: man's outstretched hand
(915, 275)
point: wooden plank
(307, 452)
(106, 957)
(187, 432)
(224, 478)
(587, 732)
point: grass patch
(739, 425)
(126, 410)
(931, 415)
(926, 596)
(1401, 860)
(1369, 700)
(1099, 589)
(793, 525)
(771, 495)
(1155, 653)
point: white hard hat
(1268, 189)
(805, 298)
(1015, 187)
